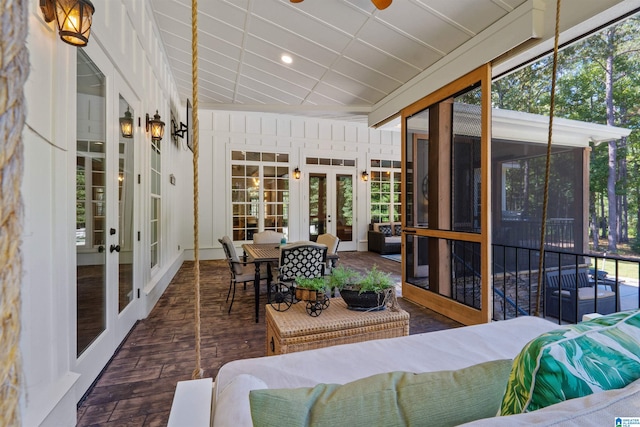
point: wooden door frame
(430, 299)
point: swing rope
(14, 68)
(545, 202)
(197, 372)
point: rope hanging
(552, 103)
(197, 372)
(14, 68)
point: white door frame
(94, 358)
(331, 172)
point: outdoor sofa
(384, 238)
(576, 294)
(461, 375)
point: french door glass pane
(344, 207)
(91, 203)
(125, 214)
(317, 205)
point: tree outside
(599, 82)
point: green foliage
(347, 278)
(312, 283)
(598, 82)
(376, 281)
(342, 276)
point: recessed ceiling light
(286, 59)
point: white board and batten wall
(300, 137)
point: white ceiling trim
(520, 126)
(528, 127)
(292, 109)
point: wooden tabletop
(262, 252)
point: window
(259, 193)
(330, 162)
(155, 202)
(385, 190)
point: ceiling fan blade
(381, 4)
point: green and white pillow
(575, 361)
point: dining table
(260, 254)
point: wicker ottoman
(294, 330)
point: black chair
(241, 271)
(300, 259)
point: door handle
(101, 248)
(114, 248)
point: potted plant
(310, 288)
(341, 277)
(363, 292)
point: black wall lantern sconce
(296, 173)
(73, 18)
(155, 126)
(126, 124)
(365, 176)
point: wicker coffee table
(294, 330)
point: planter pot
(366, 301)
(304, 294)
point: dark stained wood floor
(136, 388)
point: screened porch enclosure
(518, 172)
(518, 185)
(468, 190)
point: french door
(331, 206)
(107, 303)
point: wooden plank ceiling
(347, 55)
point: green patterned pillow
(575, 361)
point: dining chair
(299, 259)
(241, 271)
(332, 243)
(267, 236)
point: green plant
(376, 281)
(342, 276)
(312, 283)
